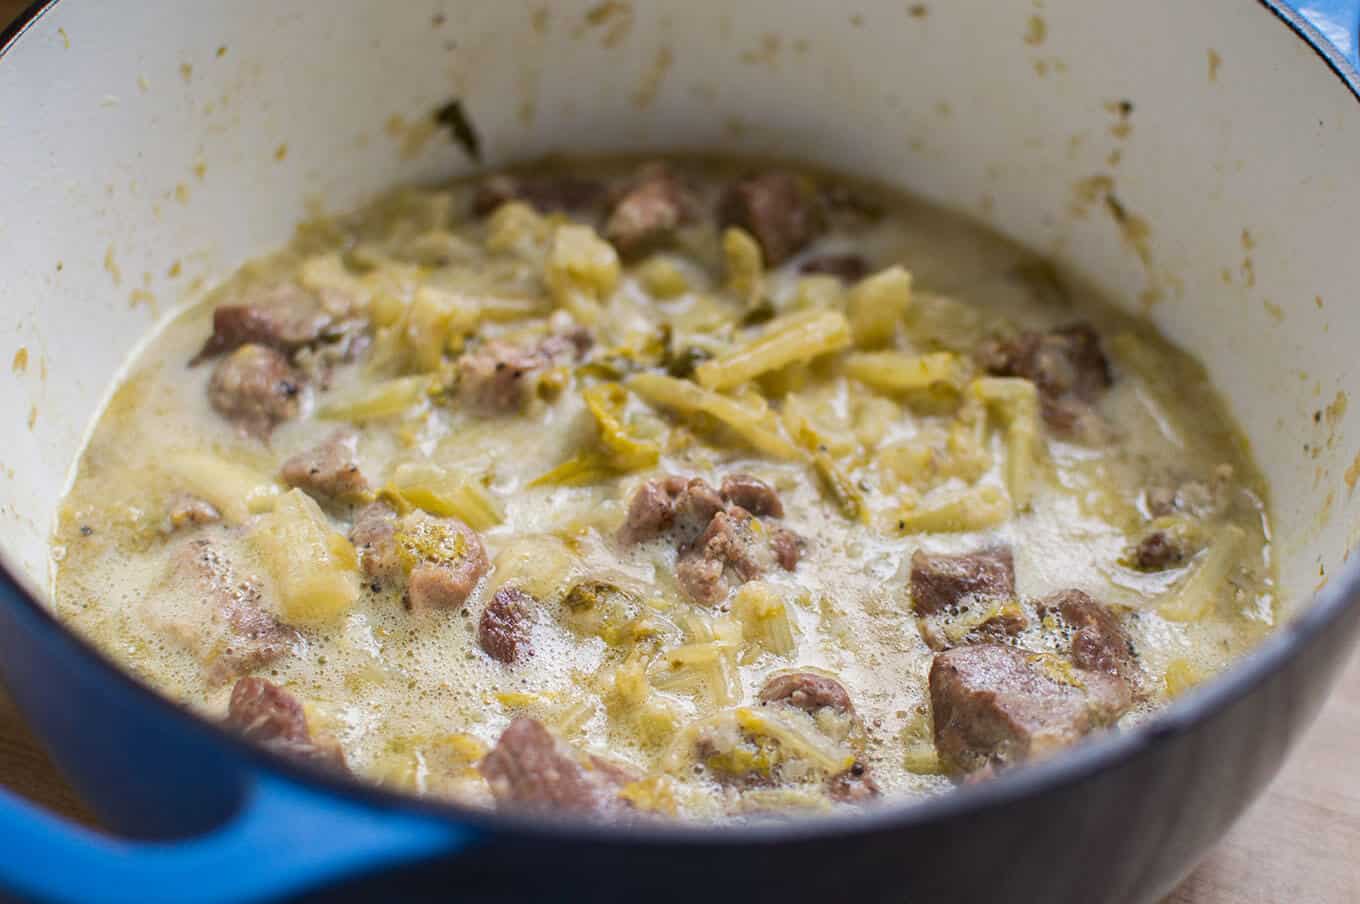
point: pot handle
(1336, 22)
(282, 839)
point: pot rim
(1103, 752)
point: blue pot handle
(283, 838)
(1335, 21)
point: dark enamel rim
(1094, 756)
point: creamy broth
(901, 422)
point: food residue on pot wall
(1214, 62)
(112, 268)
(1334, 412)
(1123, 110)
(1035, 31)
(20, 363)
(767, 54)
(653, 78)
(1248, 263)
(613, 17)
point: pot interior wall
(1200, 171)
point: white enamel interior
(138, 133)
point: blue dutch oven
(1245, 122)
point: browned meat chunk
(238, 634)
(547, 194)
(1099, 641)
(967, 598)
(848, 267)
(756, 496)
(494, 377)
(268, 715)
(374, 538)
(329, 470)
(729, 544)
(702, 578)
(807, 691)
(1066, 364)
(444, 558)
(946, 582)
(255, 388)
(715, 534)
(997, 705)
(687, 505)
(567, 346)
(1158, 551)
(777, 210)
(284, 318)
(190, 511)
(855, 785)
(503, 630)
(650, 514)
(649, 212)
(443, 585)
(530, 768)
(695, 507)
(787, 546)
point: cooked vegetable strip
(976, 508)
(899, 372)
(625, 450)
(379, 400)
(498, 309)
(581, 262)
(328, 272)
(621, 450)
(849, 498)
(877, 305)
(313, 566)
(436, 320)
(447, 493)
(918, 745)
(1016, 403)
(233, 489)
(794, 739)
(795, 338)
(1208, 584)
(578, 471)
(759, 430)
(764, 618)
(745, 266)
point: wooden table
(1300, 844)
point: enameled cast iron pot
(1193, 158)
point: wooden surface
(1300, 844)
